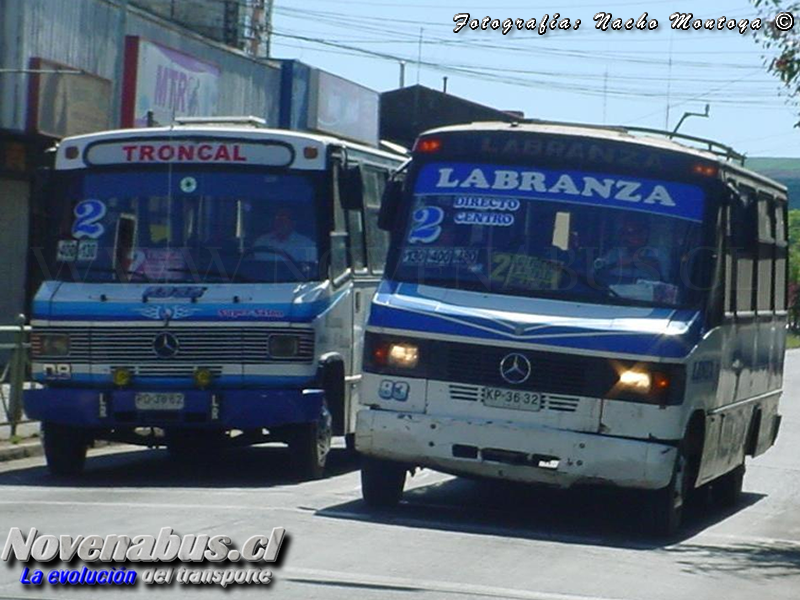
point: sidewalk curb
(33, 448)
(19, 451)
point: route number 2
(87, 214)
(426, 228)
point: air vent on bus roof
(248, 121)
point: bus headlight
(283, 346)
(402, 356)
(50, 344)
(640, 384)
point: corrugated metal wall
(86, 34)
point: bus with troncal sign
(208, 285)
(571, 305)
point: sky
(643, 78)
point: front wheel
(64, 448)
(666, 505)
(382, 482)
(310, 445)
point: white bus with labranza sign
(575, 305)
(208, 284)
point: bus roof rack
(248, 121)
(721, 150)
(392, 147)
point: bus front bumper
(222, 409)
(504, 450)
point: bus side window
(741, 254)
(377, 239)
(340, 256)
(766, 253)
(781, 254)
(355, 236)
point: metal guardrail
(14, 373)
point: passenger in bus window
(283, 236)
(630, 258)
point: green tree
(794, 268)
(780, 36)
(794, 246)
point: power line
(497, 75)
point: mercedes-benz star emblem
(166, 345)
(515, 368)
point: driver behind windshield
(283, 236)
(631, 259)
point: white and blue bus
(208, 284)
(570, 305)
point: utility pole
(419, 54)
(669, 84)
(268, 27)
(122, 26)
(402, 73)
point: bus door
(366, 245)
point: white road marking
(425, 585)
(159, 505)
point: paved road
(450, 538)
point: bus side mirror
(351, 188)
(390, 204)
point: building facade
(76, 66)
(242, 24)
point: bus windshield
(187, 225)
(561, 234)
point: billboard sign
(345, 109)
(167, 83)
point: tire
(310, 445)
(727, 490)
(64, 448)
(666, 506)
(382, 482)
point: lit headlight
(395, 355)
(636, 381)
(643, 382)
(403, 355)
(284, 346)
(43, 344)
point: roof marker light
(428, 145)
(71, 152)
(705, 169)
(310, 152)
